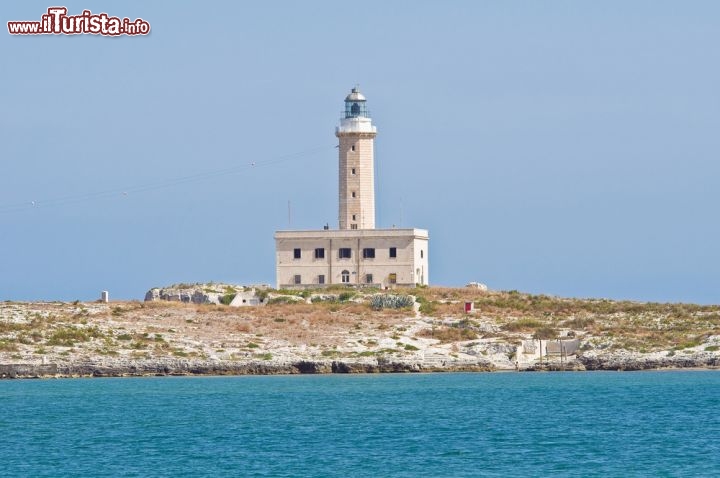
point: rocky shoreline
(637, 361)
(183, 367)
(174, 367)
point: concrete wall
(531, 350)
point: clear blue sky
(560, 147)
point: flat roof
(352, 233)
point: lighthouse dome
(355, 95)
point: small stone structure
(232, 295)
(246, 298)
(536, 350)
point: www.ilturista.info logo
(58, 22)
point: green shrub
(449, 334)
(687, 344)
(282, 300)
(545, 333)
(68, 336)
(522, 324)
(427, 307)
(346, 296)
(391, 301)
(227, 298)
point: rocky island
(220, 329)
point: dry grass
(157, 329)
(448, 334)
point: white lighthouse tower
(356, 134)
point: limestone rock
(205, 294)
(477, 285)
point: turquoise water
(454, 425)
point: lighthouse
(356, 254)
(356, 135)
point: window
(421, 253)
(297, 279)
(352, 171)
(320, 253)
(393, 252)
(321, 279)
(296, 253)
(344, 253)
(353, 226)
(353, 194)
(369, 253)
(392, 278)
(368, 278)
(353, 217)
(352, 148)
(345, 277)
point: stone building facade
(365, 257)
(356, 254)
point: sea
(654, 424)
